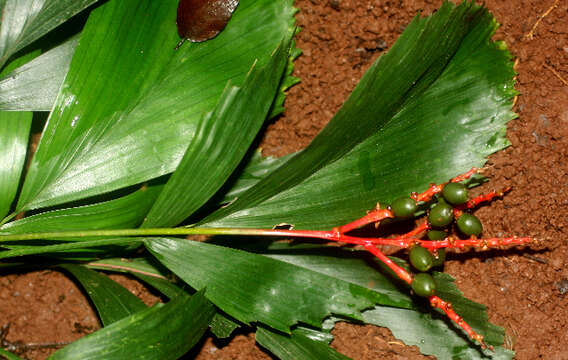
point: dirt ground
(526, 291)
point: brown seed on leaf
(200, 20)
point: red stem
(484, 244)
(417, 231)
(484, 198)
(403, 241)
(435, 189)
(446, 307)
(373, 216)
(409, 239)
(400, 272)
(435, 301)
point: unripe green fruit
(404, 207)
(455, 193)
(439, 258)
(436, 234)
(421, 258)
(441, 215)
(423, 285)
(469, 225)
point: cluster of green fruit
(440, 218)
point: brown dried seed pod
(200, 20)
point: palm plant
(143, 144)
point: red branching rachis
(408, 240)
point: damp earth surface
(526, 291)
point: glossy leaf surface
(358, 267)
(454, 96)
(221, 140)
(148, 98)
(252, 287)
(24, 21)
(14, 135)
(256, 168)
(160, 332)
(34, 86)
(123, 213)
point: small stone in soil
(335, 4)
(562, 286)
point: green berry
(421, 258)
(455, 193)
(439, 258)
(423, 285)
(469, 225)
(404, 207)
(436, 235)
(441, 215)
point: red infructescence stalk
(411, 238)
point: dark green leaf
(431, 333)
(221, 140)
(146, 269)
(474, 313)
(113, 301)
(296, 346)
(130, 104)
(424, 329)
(24, 21)
(14, 134)
(8, 355)
(160, 332)
(123, 213)
(35, 85)
(255, 169)
(354, 267)
(222, 326)
(166, 287)
(252, 287)
(287, 81)
(434, 106)
(66, 247)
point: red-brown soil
(526, 291)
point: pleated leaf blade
(434, 333)
(24, 21)
(160, 332)
(252, 287)
(221, 140)
(14, 135)
(434, 106)
(34, 86)
(112, 300)
(130, 104)
(125, 212)
(296, 346)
